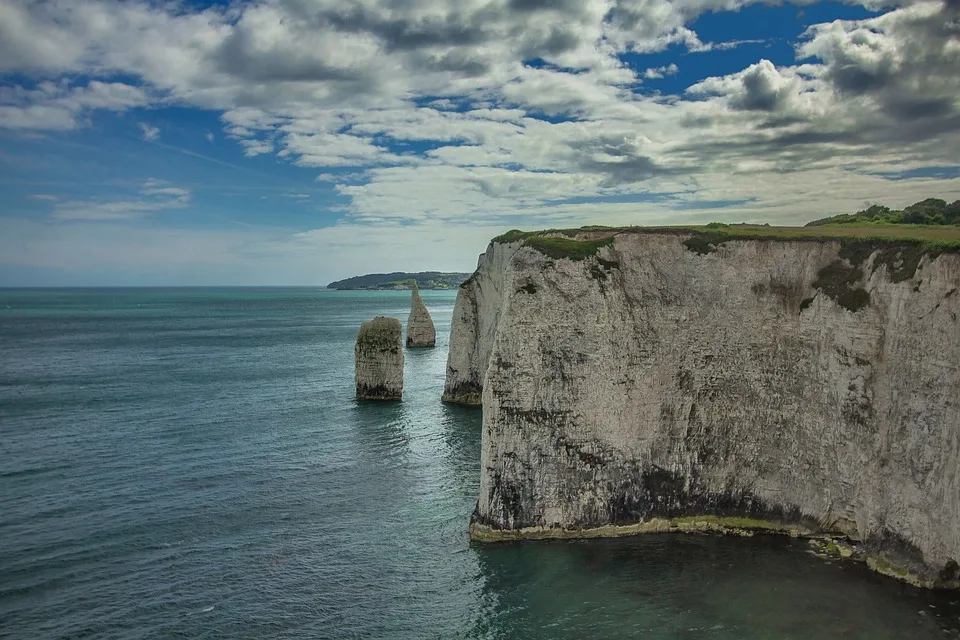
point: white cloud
(154, 195)
(60, 106)
(341, 177)
(430, 111)
(122, 254)
(655, 73)
(37, 117)
(256, 147)
(149, 132)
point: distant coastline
(401, 280)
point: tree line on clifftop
(930, 211)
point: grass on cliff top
(559, 247)
(562, 243)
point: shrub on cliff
(932, 211)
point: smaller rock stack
(378, 359)
(420, 329)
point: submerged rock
(420, 330)
(378, 359)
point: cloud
(154, 195)
(725, 46)
(903, 62)
(507, 113)
(760, 87)
(61, 105)
(329, 53)
(341, 177)
(149, 132)
(119, 254)
(659, 72)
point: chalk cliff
(378, 359)
(476, 314)
(420, 329)
(675, 381)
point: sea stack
(420, 330)
(378, 358)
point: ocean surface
(191, 463)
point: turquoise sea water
(191, 463)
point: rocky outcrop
(420, 330)
(476, 314)
(378, 359)
(679, 382)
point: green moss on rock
(513, 236)
(704, 243)
(854, 300)
(840, 278)
(727, 523)
(562, 247)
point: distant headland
(400, 280)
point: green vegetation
(927, 238)
(932, 211)
(839, 279)
(704, 243)
(898, 248)
(728, 522)
(560, 247)
(401, 280)
(513, 235)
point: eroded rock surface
(420, 329)
(669, 384)
(476, 314)
(378, 359)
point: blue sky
(301, 141)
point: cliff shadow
(461, 429)
(682, 586)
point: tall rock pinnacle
(420, 329)
(378, 359)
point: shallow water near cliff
(192, 463)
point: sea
(192, 463)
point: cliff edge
(658, 380)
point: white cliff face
(378, 359)
(476, 314)
(653, 384)
(420, 329)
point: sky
(296, 142)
